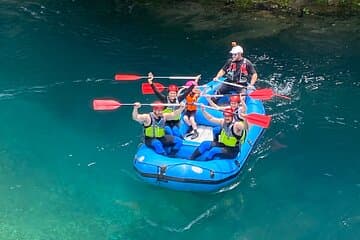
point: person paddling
(237, 106)
(232, 135)
(172, 126)
(154, 128)
(238, 70)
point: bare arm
(141, 118)
(222, 71)
(211, 103)
(219, 74)
(210, 117)
(173, 115)
(243, 104)
(252, 71)
(254, 78)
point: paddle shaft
(231, 84)
(269, 94)
(127, 77)
(176, 77)
(152, 104)
(254, 118)
(221, 95)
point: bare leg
(193, 123)
(194, 126)
(186, 120)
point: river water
(66, 171)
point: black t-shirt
(239, 71)
(164, 99)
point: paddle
(259, 119)
(266, 94)
(109, 104)
(133, 77)
(147, 89)
(253, 118)
(261, 94)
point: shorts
(190, 113)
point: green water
(66, 171)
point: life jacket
(228, 138)
(191, 99)
(237, 71)
(243, 69)
(156, 129)
(170, 109)
(243, 72)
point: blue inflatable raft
(182, 174)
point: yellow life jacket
(156, 128)
(228, 138)
(170, 109)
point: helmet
(228, 112)
(235, 98)
(158, 105)
(172, 88)
(189, 83)
(237, 49)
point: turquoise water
(66, 171)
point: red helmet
(228, 112)
(173, 88)
(235, 98)
(158, 105)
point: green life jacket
(156, 128)
(170, 109)
(228, 138)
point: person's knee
(177, 142)
(168, 130)
(176, 131)
(216, 132)
(205, 146)
(213, 152)
(157, 145)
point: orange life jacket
(190, 100)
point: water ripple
(207, 213)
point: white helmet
(237, 49)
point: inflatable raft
(180, 173)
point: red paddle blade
(262, 94)
(105, 104)
(147, 89)
(259, 119)
(127, 77)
